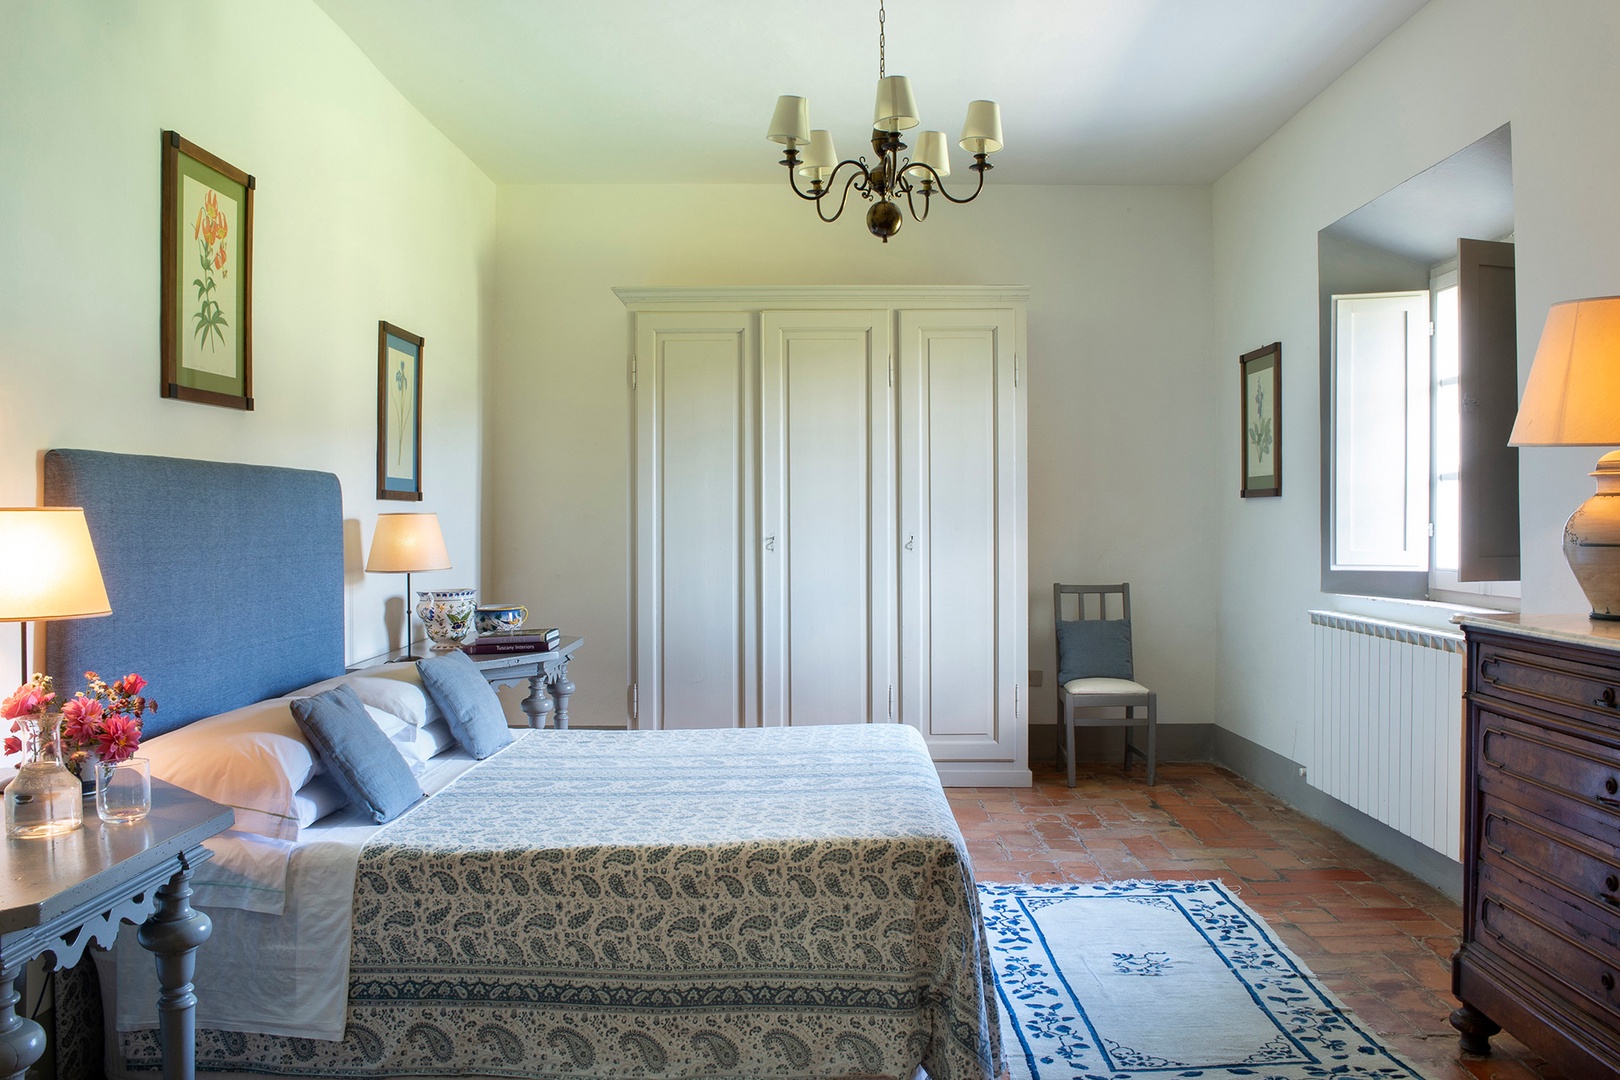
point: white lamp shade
(981, 134)
(790, 124)
(896, 109)
(931, 150)
(1573, 395)
(48, 567)
(821, 158)
(407, 543)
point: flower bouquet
(104, 724)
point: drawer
(1578, 878)
(1576, 971)
(1554, 683)
(1556, 774)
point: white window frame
(1443, 583)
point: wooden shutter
(1488, 379)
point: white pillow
(393, 688)
(439, 736)
(411, 742)
(253, 759)
(319, 797)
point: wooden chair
(1101, 677)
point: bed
(780, 902)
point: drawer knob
(1612, 883)
(1607, 981)
(1606, 699)
(1611, 785)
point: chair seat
(1109, 687)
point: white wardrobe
(830, 514)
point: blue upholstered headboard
(226, 581)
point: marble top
(1579, 629)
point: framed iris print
(399, 414)
(207, 277)
(1261, 376)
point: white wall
(1456, 71)
(1121, 482)
(363, 212)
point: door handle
(911, 543)
(770, 543)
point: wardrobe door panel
(959, 602)
(695, 634)
(827, 517)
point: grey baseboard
(1269, 770)
(1177, 742)
(1280, 776)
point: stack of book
(523, 640)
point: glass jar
(43, 799)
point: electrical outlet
(1036, 678)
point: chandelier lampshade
(790, 125)
(892, 176)
(982, 132)
(896, 109)
(932, 152)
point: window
(1409, 400)
(1419, 385)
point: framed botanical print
(1261, 375)
(207, 277)
(399, 414)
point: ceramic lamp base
(1592, 541)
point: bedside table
(61, 894)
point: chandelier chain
(882, 69)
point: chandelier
(891, 177)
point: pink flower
(26, 701)
(80, 718)
(13, 744)
(130, 684)
(118, 738)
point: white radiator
(1385, 735)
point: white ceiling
(680, 91)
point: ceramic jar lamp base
(1592, 541)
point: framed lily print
(1261, 376)
(207, 277)
(399, 414)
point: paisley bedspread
(749, 904)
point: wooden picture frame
(206, 320)
(399, 414)
(1260, 388)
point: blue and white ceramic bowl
(500, 618)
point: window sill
(1434, 614)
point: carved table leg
(562, 689)
(1475, 1028)
(537, 706)
(172, 933)
(22, 1042)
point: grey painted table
(60, 895)
(545, 672)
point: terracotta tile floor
(1379, 938)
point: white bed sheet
(278, 959)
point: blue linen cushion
(1094, 649)
(467, 701)
(357, 754)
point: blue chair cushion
(1094, 649)
(357, 754)
(467, 701)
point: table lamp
(48, 569)
(405, 544)
(1573, 399)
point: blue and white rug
(1161, 979)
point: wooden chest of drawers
(1540, 953)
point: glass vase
(43, 799)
